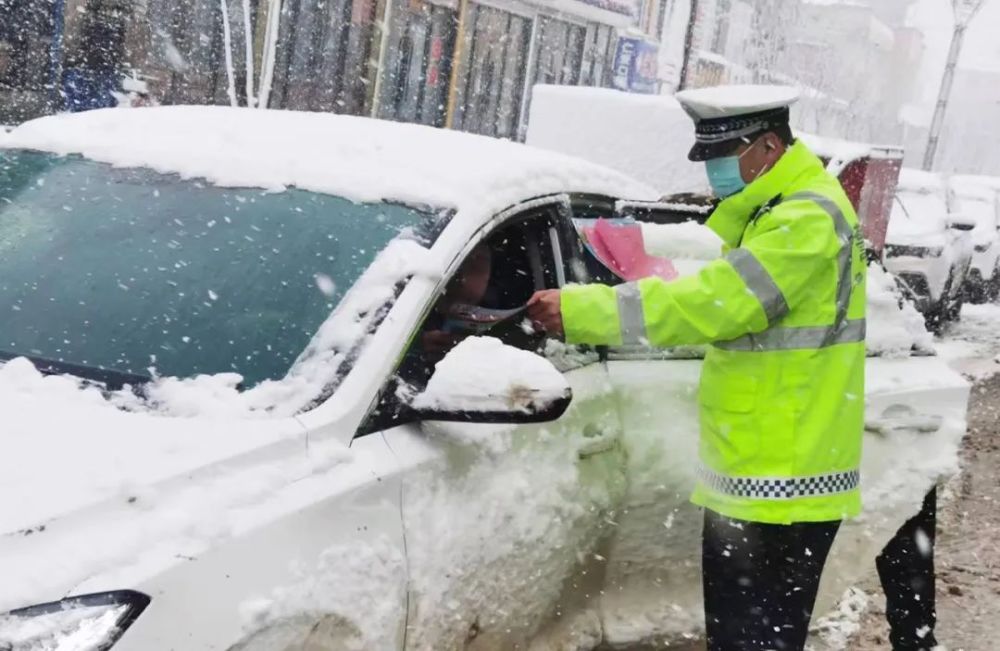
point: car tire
(992, 288)
(953, 305)
(939, 313)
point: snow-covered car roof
(362, 159)
(915, 180)
(974, 187)
(977, 179)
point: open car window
(486, 297)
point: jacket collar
(731, 217)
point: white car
(207, 442)
(978, 200)
(927, 248)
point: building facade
(464, 64)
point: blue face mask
(724, 176)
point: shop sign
(623, 7)
(635, 65)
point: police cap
(725, 115)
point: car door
(915, 417)
(503, 521)
(653, 571)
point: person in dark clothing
(906, 571)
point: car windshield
(131, 272)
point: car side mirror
(960, 222)
(483, 380)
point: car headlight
(91, 622)
(982, 248)
(906, 251)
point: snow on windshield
(916, 215)
(204, 290)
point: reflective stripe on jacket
(782, 387)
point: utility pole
(964, 11)
(686, 62)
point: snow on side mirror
(483, 380)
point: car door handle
(597, 440)
(922, 423)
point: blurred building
(467, 64)
(854, 60)
(30, 37)
(971, 128)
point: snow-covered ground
(972, 345)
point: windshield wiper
(110, 379)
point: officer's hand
(545, 312)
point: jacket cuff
(590, 315)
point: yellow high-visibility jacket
(782, 387)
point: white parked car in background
(927, 248)
(220, 429)
(977, 199)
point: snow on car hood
(85, 485)
(358, 158)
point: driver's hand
(545, 312)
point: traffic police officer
(782, 388)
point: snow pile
(484, 374)
(838, 153)
(895, 328)
(644, 136)
(838, 628)
(353, 157)
(833, 148)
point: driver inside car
(476, 302)
(441, 332)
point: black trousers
(760, 581)
(906, 570)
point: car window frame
(558, 209)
